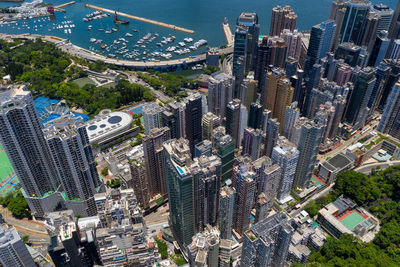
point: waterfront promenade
(75, 50)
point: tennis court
(352, 220)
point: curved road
(366, 169)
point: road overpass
(367, 168)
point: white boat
(128, 34)
(69, 31)
(92, 40)
(89, 27)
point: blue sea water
(204, 17)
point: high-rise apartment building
(12, 249)
(22, 138)
(248, 90)
(390, 121)
(263, 206)
(293, 42)
(271, 136)
(226, 211)
(224, 146)
(152, 117)
(251, 145)
(193, 115)
(292, 113)
(233, 119)
(286, 155)
(180, 190)
(255, 115)
(310, 136)
(141, 182)
(267, 242)
(209, 122)
(220, 91)
(178, 114)
(282, 18)
(70, 149)
(154, 160)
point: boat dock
(161, 24)
(228, 33)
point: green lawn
(83, 81)
(5, 166)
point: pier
(65, 4)
(228, 33)
(161, 24)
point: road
(345, 144)
(134, 79)
(366, 169)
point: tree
(104, 171)
(162, 248)
(25, 239)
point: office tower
(204, 148)
(299, 88)
(394, 30)
(339, 104)
(379, 49)
(22, 139)
(282, 18)
(250, 22)
(13, 250)
(244, 115)
(385, 13)
(286, 155)
(293, 42)
(239, 57)
(370, 29)
(140, 182)
(390, 121)
(252, 140)
(350, 53)
(395, 50)
(225, 149)
(357, 106)
(267, 242)
(355, 17)
(180, 190)
(168, 120)
(244, 182)
(178, 111)
(321, 40)
(291, 65)
(271, 136)
(206, 173)
(154, 160)
(233, 119)
(263, 206)
(248, 90)
(329, 110)
(311, 133)
(193, 115)
(335, 7)
(220, 90)
(226, 211)
(152, 114)
(278, 93)
(255, 115)
(69, 146)
(209, 123)
(292, 113)
(314, 79)
(382, 76)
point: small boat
(101, 30)
(114, 29)
(134, 30)
(89, 27)
(108, 31)
(92, 40)
(128, 34)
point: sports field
(352, 220)
(8, 180)
(5, 166)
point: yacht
(128, 34)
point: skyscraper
(233, 119)
(193, 115)
(293, 42)
(248, 90)
(225, 149)
(239, 57)
(277, 94)
(385, 13)
(209, 123)
(267, 242)
(310, 136)
(355, 17)
(244, 181)
(178, 111)
(390, 121)
(271, 136)
(357, 106)
(141, 182)
(154, 160)
(292, 113)
(22, 138)
(13, 250)
(255, 115)
(250, 22)
(226, 211)
(252, 140)
(393, 77)
(282, 18)
(69, 146)
(180, 190)
(220, 91)
(286, 155)
(152, 114)
(263, 206)
(379, 49)
(206, 172)
(330, 112)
